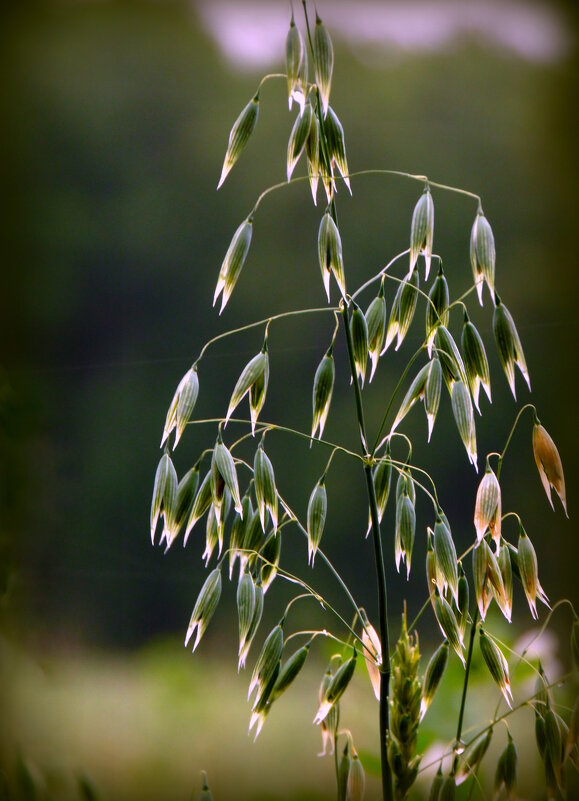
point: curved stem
(379, 275)
(509, 438)
(421, 178)
(266, 322)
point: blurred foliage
(116, 117)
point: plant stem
(465, 685)
(380, 575)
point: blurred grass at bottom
(143, 726)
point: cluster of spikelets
(404, 702)
(254, 546)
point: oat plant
(232, 491)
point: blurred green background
(116, 117)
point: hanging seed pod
(372, 652)
(182, 406)
(267, 662)
(554, 741)
(289, 670)
(205, 606)
(487, 510)
(528, 570)
(294, 60)
(238, 529)
(186, 491)
(245, 607)
(506, 773)
(382, 476)
(416, 391)
(505, 601)
(343, 771)
(464, 417)
(330, 254)
(447, 621)
(482, 254)
(437, 308)
(509, 345)
(328, 726)
(233, 262)
(356, 784)
(337, 145)
(201, 504)
(497, 665)
(433, 676)
(265, 491)
(549, 464)
(239, 136)
(252, 542)
(322, 391)
(432, 391)
(298, 137)
(445, 558)
(402, 311)
(422, 231)
(472, 758)
(164, 493)
(271, 553)
(487, 577)
(463, 601)
(376, 323)
(336, 688)
(263, 703)
(316, 518)
(405, 527)
(436, 786)
(475, 361)
(359, 334)
(430, 566)
(254, 374)
(448, 789)
(313, 154)
(215, 529)
(205, 791)
(404, 484)
(255, 621)
(323, 62)
(225, 466)
(453, 368)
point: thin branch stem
(421, 178)
(465, 685)
(509, 438)
(266, 322)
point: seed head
(487, 510)
(359, 333)
(464, 418)
(436, 308)
(445, 558)
(233, 262)
(298, 137)
(422, 231)
(254, 379)
(316, 518)
(336, 687)
(482, 254)
(239, 136)
(448, 625)
(376, 323)
(509, 344)
(433, 676)
(330, 254)
(182, 406)
(549, 465)
(475, 362)
(405, 528)
(322, 392)
(402, 311)
(337, 145)
(265, 490)
(497, 665)
(205, 606)
(323, 62)
(372, 653)
(201, 504)
(295, 62)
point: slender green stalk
(266, 321)
(509, 438)
(458, 743)
(421, 178)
